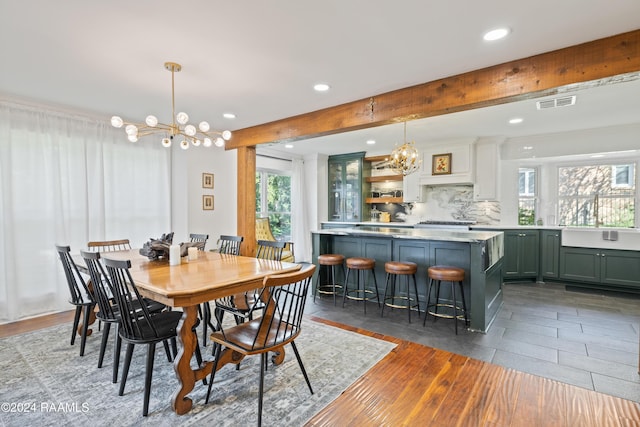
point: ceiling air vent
(557, 102)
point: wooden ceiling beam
(545, 74)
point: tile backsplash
(446, 203)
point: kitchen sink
(602, 238)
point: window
(622, 176)
(597, 195)
(273, 200)
(527, 189)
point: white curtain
(67, 179)
(300, 223)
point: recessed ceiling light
(370, 142)
(496, 34)
(321, 87)
(229, 116)
(515, 120)
(288, 145)
(595, 156)
(527, 147)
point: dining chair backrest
(285, 296)
(199, 238)
(109, 245)
(102, 290)
(78, 289)
(269, 249)
(135, 319)
(230, 245)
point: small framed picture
(441, 164)
(207, 202)
(207, 180)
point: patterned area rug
(44, 382)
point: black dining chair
(230, 245)
(137, 324)
(227, 245)
(285, 296)
(109, 245)
(80, 295)
(243, 305)
(271, 250)
(199, 238)
(108, 309)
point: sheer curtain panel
(301, 234)
(68, 179)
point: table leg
(187, 377)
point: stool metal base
(329, 288)
(447, 316)
(361, 293)
(395, 300)
(459, 313)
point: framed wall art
(207, 202)
(441, 164)
(207, 180)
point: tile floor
(579, 337)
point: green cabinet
(521, 254)
(602, 268)
(346, 187)
(550, 253)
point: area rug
(44, 382)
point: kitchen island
(479, 253)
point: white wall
(187, 213)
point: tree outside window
(527, 189)
(597, 195)
(273, 200)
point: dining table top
(208, 277)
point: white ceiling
(260, 60)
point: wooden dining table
(209, 277)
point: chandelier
(179, 126)
(404, 158)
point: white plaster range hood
(462, 163)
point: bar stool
(395, 269)
(360, 293)
(437, 274)
(330, 261)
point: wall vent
(556, 102)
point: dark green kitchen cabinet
(346, 187)
(521, 254)
(550, 254)
(602, 268)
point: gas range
(456, 225)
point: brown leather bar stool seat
(397, 298)
(455, 276)
(331, 285)
(361, 292)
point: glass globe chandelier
(404, 158)
(179, 127)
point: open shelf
(383, 200)
(384, 178)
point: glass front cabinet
(346, 179)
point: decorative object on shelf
(160, 248)
(207, 180)
(441, 164)
(178, 127)
(404, 158)
(207, 202)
